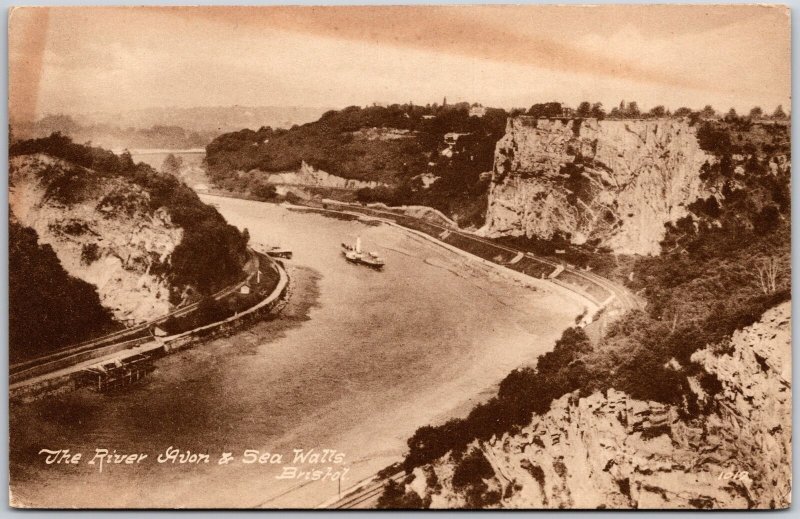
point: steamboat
(354, 254)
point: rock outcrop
(307, 176)
(613, 182)
(102, 231)
(611, 451)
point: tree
(48, 307)
(756, 112)
(779, 113)
(731, 116)
(708, 112)
(126, 161)
(584, 109)
(551, 109)
(597, 111)
(395, 497)
(658, 111)
(172, 165)
(472, 470)
(683, 112)
(768, 275)
(633, 110)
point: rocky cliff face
(101, 230)
(615, 182)
(307, 176)
(610, 451)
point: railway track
(124, 338)
(367, 496)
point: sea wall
(43, 386)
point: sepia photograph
(458, 257)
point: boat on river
(118, 372)
(278, 252)
(354, 254)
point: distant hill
(428, 155)
(213, 119)
(162, 128)
(113, 136)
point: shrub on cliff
(48, 307)
(523, 392)
(472, 470)
(395, 497)
(469, 478)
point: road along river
(356, 362)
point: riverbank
(68, 377)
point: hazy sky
(110, 59)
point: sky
(82, 60)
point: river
(355, 363)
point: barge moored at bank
(117, 373)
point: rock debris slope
(101, 230)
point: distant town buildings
(452, 137)
(477, 110)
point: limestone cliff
(102, 231)
(307, 176)
(614, 182)
(610, 451)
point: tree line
(631, 110)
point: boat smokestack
(358, 244)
